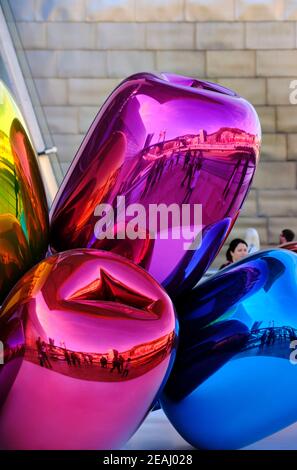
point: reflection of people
(85, 358)
(252, 239)
(171, 161)
(167, 348)
(38, 344)
(187, 158)
(177, 157)
(188, 175)
(42, 354)
(103, 362)
(237, 250)
(121, 361)
(75, 359)
(116, 364)
(127, 367)
(67, 357)
(191, 186)
(286, 236)
(263, 340)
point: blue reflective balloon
(234, 380)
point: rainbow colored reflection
(23, 207)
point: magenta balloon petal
(89, 342)
(161, 139)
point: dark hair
(288, 234)
(232, 247)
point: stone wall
(78, 50)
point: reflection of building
(152, 347)
(224, 139)
(225, 135)
(137, 353)
(271, 341)
(134, 129)
(10, 203)
(202, 136)
(110, 366)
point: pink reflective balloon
(89, 341)
(160, 139)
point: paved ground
(156, 433)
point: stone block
(120, 36)
(290, 10)
(222, 35)
(270, 35)
(292, 146)
(159, 10)
(249, 208)
(278, 202)
(71, 35)
(286, 118)
(183, 62)
(124, 63)
(76, 64)
(23, 10)
(42, 64)
(52, 91)
(86, 116)
(230, 63)
(32, 35)
(90, 91)
(170, 36)
(267, 116)
(278, 90)
(276, 63)
(274, 147)
(209, 10)
(59, 10)
(259, 10)
(277, 175)
(67, 145)
(65, 167)
(62, 119)
(252, 89)
(106, 10)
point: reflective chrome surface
(234, 381)
(162, 139)
(23, 207)
(89, 342)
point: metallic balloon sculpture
(23, 207)
(90, 338)
(233, 382)
(161, 139)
